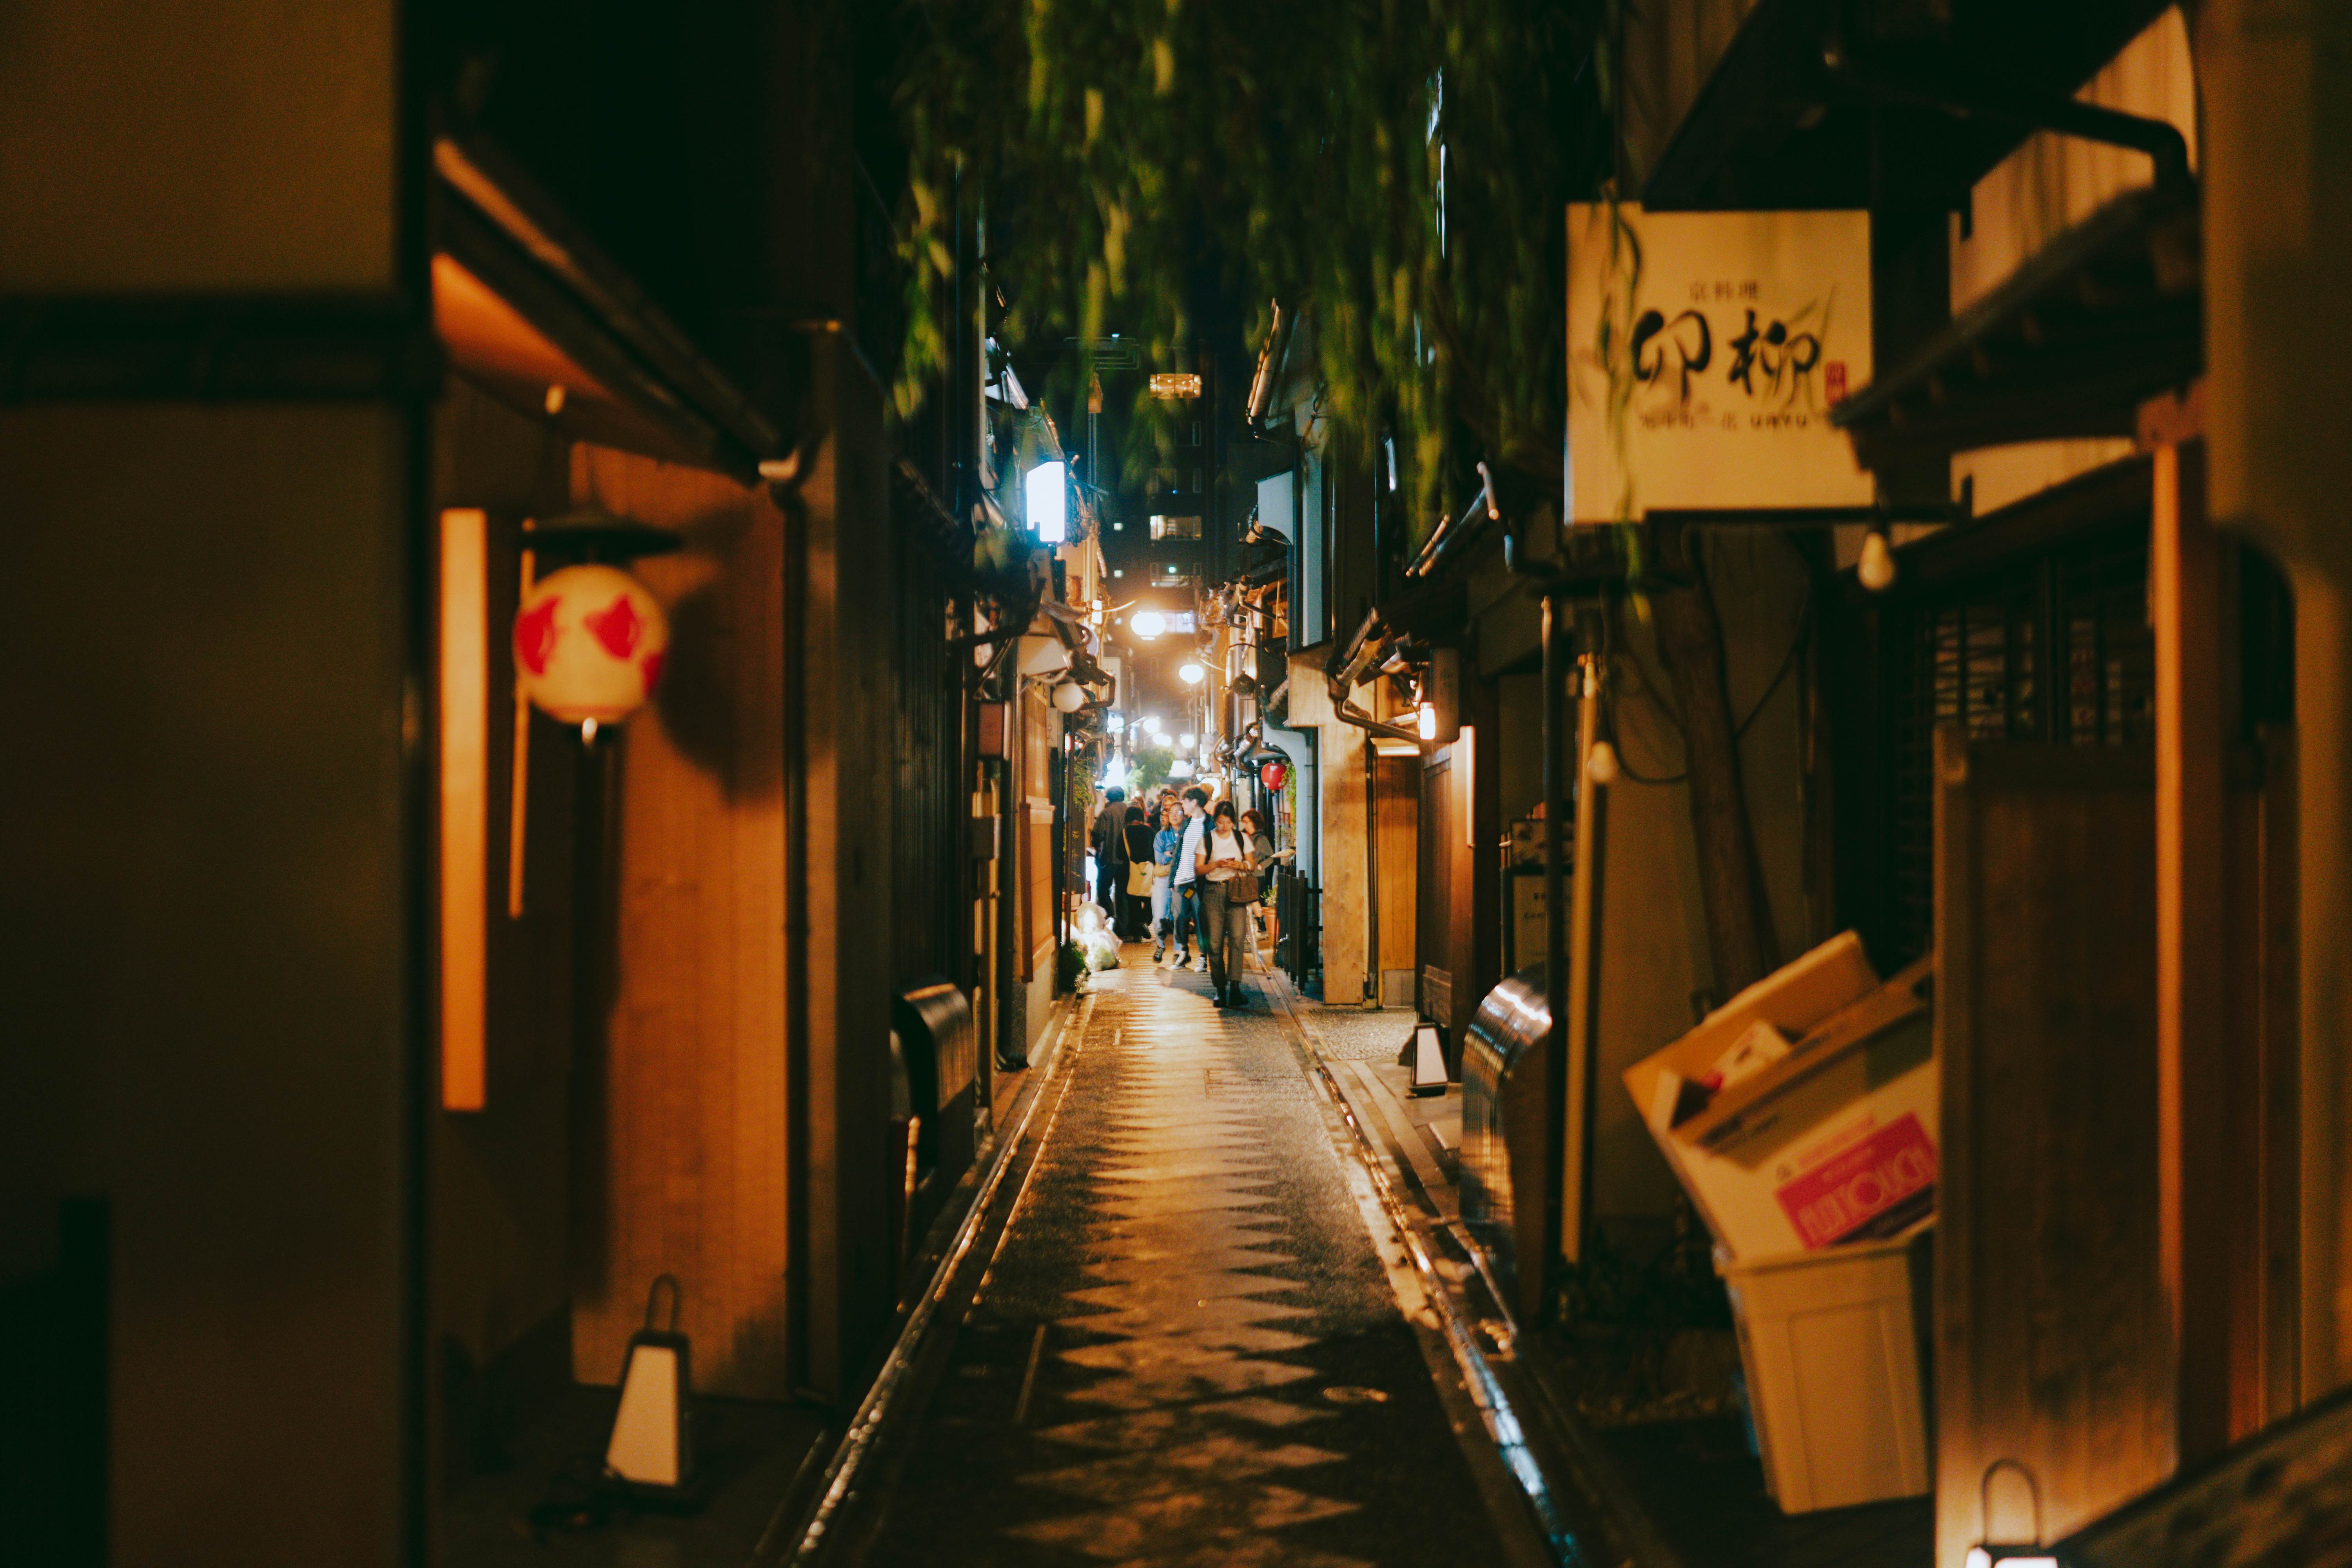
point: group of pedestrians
(1179, 871)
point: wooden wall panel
(2052, 1341)
(684, 1168)
(1397, 784)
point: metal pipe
(1577, 1103)
(1372, 880)
(1555, 934)
(1968, 96)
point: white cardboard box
(1846, 1152)
(1828, 1343)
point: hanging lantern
(1069, 697)
(1271, 774)
(589, 643)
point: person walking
(1187, 877)
(1226, 870)
(1109, 841)
(1256, 828)
(1164, 846)
(1135, 893)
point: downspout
(1583, 966)
(1533, 1284)
(1371, 881)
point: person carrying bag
(1225, 870)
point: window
(1175, 527)
(2052, 649)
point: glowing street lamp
(1183, 742)
(1147, 623)
(1151, 723)
(1190, 673)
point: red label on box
(1876, 1189)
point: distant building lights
(1175, 384)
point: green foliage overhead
(1397, 167)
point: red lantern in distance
(1271, 774)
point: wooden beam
(464, 744)
(2195, 1180)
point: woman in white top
(1224, 853)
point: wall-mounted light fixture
(1876, 567)
(1191, 672)
(1045, 495)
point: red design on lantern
(534, 634)
(616, 626)
(653, 668)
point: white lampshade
(589, 643)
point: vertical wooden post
(463, 817)
(2192, 1026)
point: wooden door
(2051, 1336)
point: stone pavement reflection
(1186, 1351)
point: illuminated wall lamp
(1191, 672)
(1428, 721)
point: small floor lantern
(1425, 1054)
(1988, 1552)
(651, 1454)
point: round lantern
(1271, 775)
(1069, 697)
(589, 643)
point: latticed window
(1978, 657)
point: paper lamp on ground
(589, 643)
(651, 1452)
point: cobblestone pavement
(1186, 1350)
(1357, 1034)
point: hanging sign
(1704, 352)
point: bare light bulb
(1600, 763)
(1876, 567)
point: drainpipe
(1549, 590)
(1580, 1058)
(1372, 880)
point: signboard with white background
(1704, 351)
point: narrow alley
(1186, 1348)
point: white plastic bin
(1826, 1339)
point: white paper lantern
(589, 643)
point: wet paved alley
(1186, 1349)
